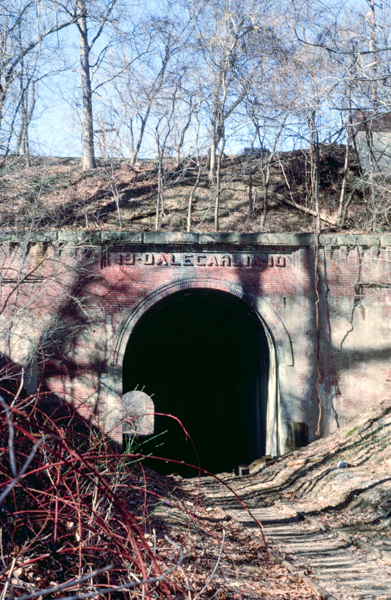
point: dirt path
(325, 509)
(334, 563)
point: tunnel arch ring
(267, 315)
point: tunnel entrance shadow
(203, 356)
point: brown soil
(344, 479)
(72, 514)
(222, 559)
(59, 493)
(56, 193)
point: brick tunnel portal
(203, 356)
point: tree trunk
(217, 203)
(345, 173)
(140, 137)
(179, 145)
(212, 159)
(316, 185)
(190, 204)
(250, 184)
(160, 197)
(88, 158)
(265, 178)
(215, 134)
(218, 186)
(2, 101)
(27, 109)
(199, 165)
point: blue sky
(56, 127)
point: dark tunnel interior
(203, 356)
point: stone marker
(138, 413)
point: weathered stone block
(138, 413)
(71, 237)
(277, 239)
(119, 237)
(170, 237)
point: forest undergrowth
(79, 519)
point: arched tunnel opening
(203, 356)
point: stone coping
(162, 238)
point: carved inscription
(259, 260)
(125, 258)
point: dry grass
(55, 193)
(79, 519)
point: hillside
(56, 193)
(326, 508)
(344, 479)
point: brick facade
(70, 301)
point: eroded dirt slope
(56, 193)
(344, 479)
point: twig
(26, 464)
(329, 220)
(186, 581)
(10, 437)
(221, 189)
(19, 389)
(65, 585)
(135, 216)
(8, 579)
(2, 550)
(125, 586)
(214, 569)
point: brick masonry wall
(69, 301)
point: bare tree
(24, 29)
(162, 133)
(150, 60)
(353, 47)
(226, 35)
(97, 26)
(89, 17)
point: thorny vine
(77, 517)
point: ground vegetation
(188, 85)
(57, 193)
(81, 520)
